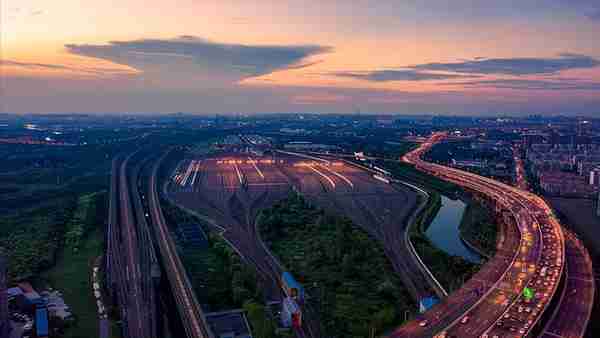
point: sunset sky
(230, 56)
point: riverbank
(444, 230)
(478, 229)
(353, 285)
(451, 271)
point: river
(444, 230)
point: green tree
(262, 326)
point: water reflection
(444, 230)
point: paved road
(539, 243)
(572, 313)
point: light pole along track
(191, 314)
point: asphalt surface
(571, 315)
(572, 312)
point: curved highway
(534, 261)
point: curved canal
(444, 230)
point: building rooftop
(229, 324)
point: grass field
(71, 275)
(72, 272)
(31, 239)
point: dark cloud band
(192, 55)
(519, 84)
(50, 66)
(398, 75)
(514, 66)
(477, 67)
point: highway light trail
(323, 175)
(239, 174)
(537, 259)
(260, 173)
(196, 169)
(188, 172)
(344, 178)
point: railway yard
(539, 282)
(230, 190)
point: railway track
(234, 206)
(192, 315)
(129, 256)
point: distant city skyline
(221, 57)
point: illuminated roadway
(499, 310)
(573, 309)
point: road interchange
(535, 261)
(533, 249)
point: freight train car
(291, 287)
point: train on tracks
(291, 306)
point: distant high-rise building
(4, 321)
(595, 176)
(598, 205)
(532, 138)
(584, 128)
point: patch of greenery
(219, 277)
(31, 239)
(262, 325)
(429, 212)
(82, 219)
(408, 172)
(353, 284)
(72, 272)
(478, 228)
